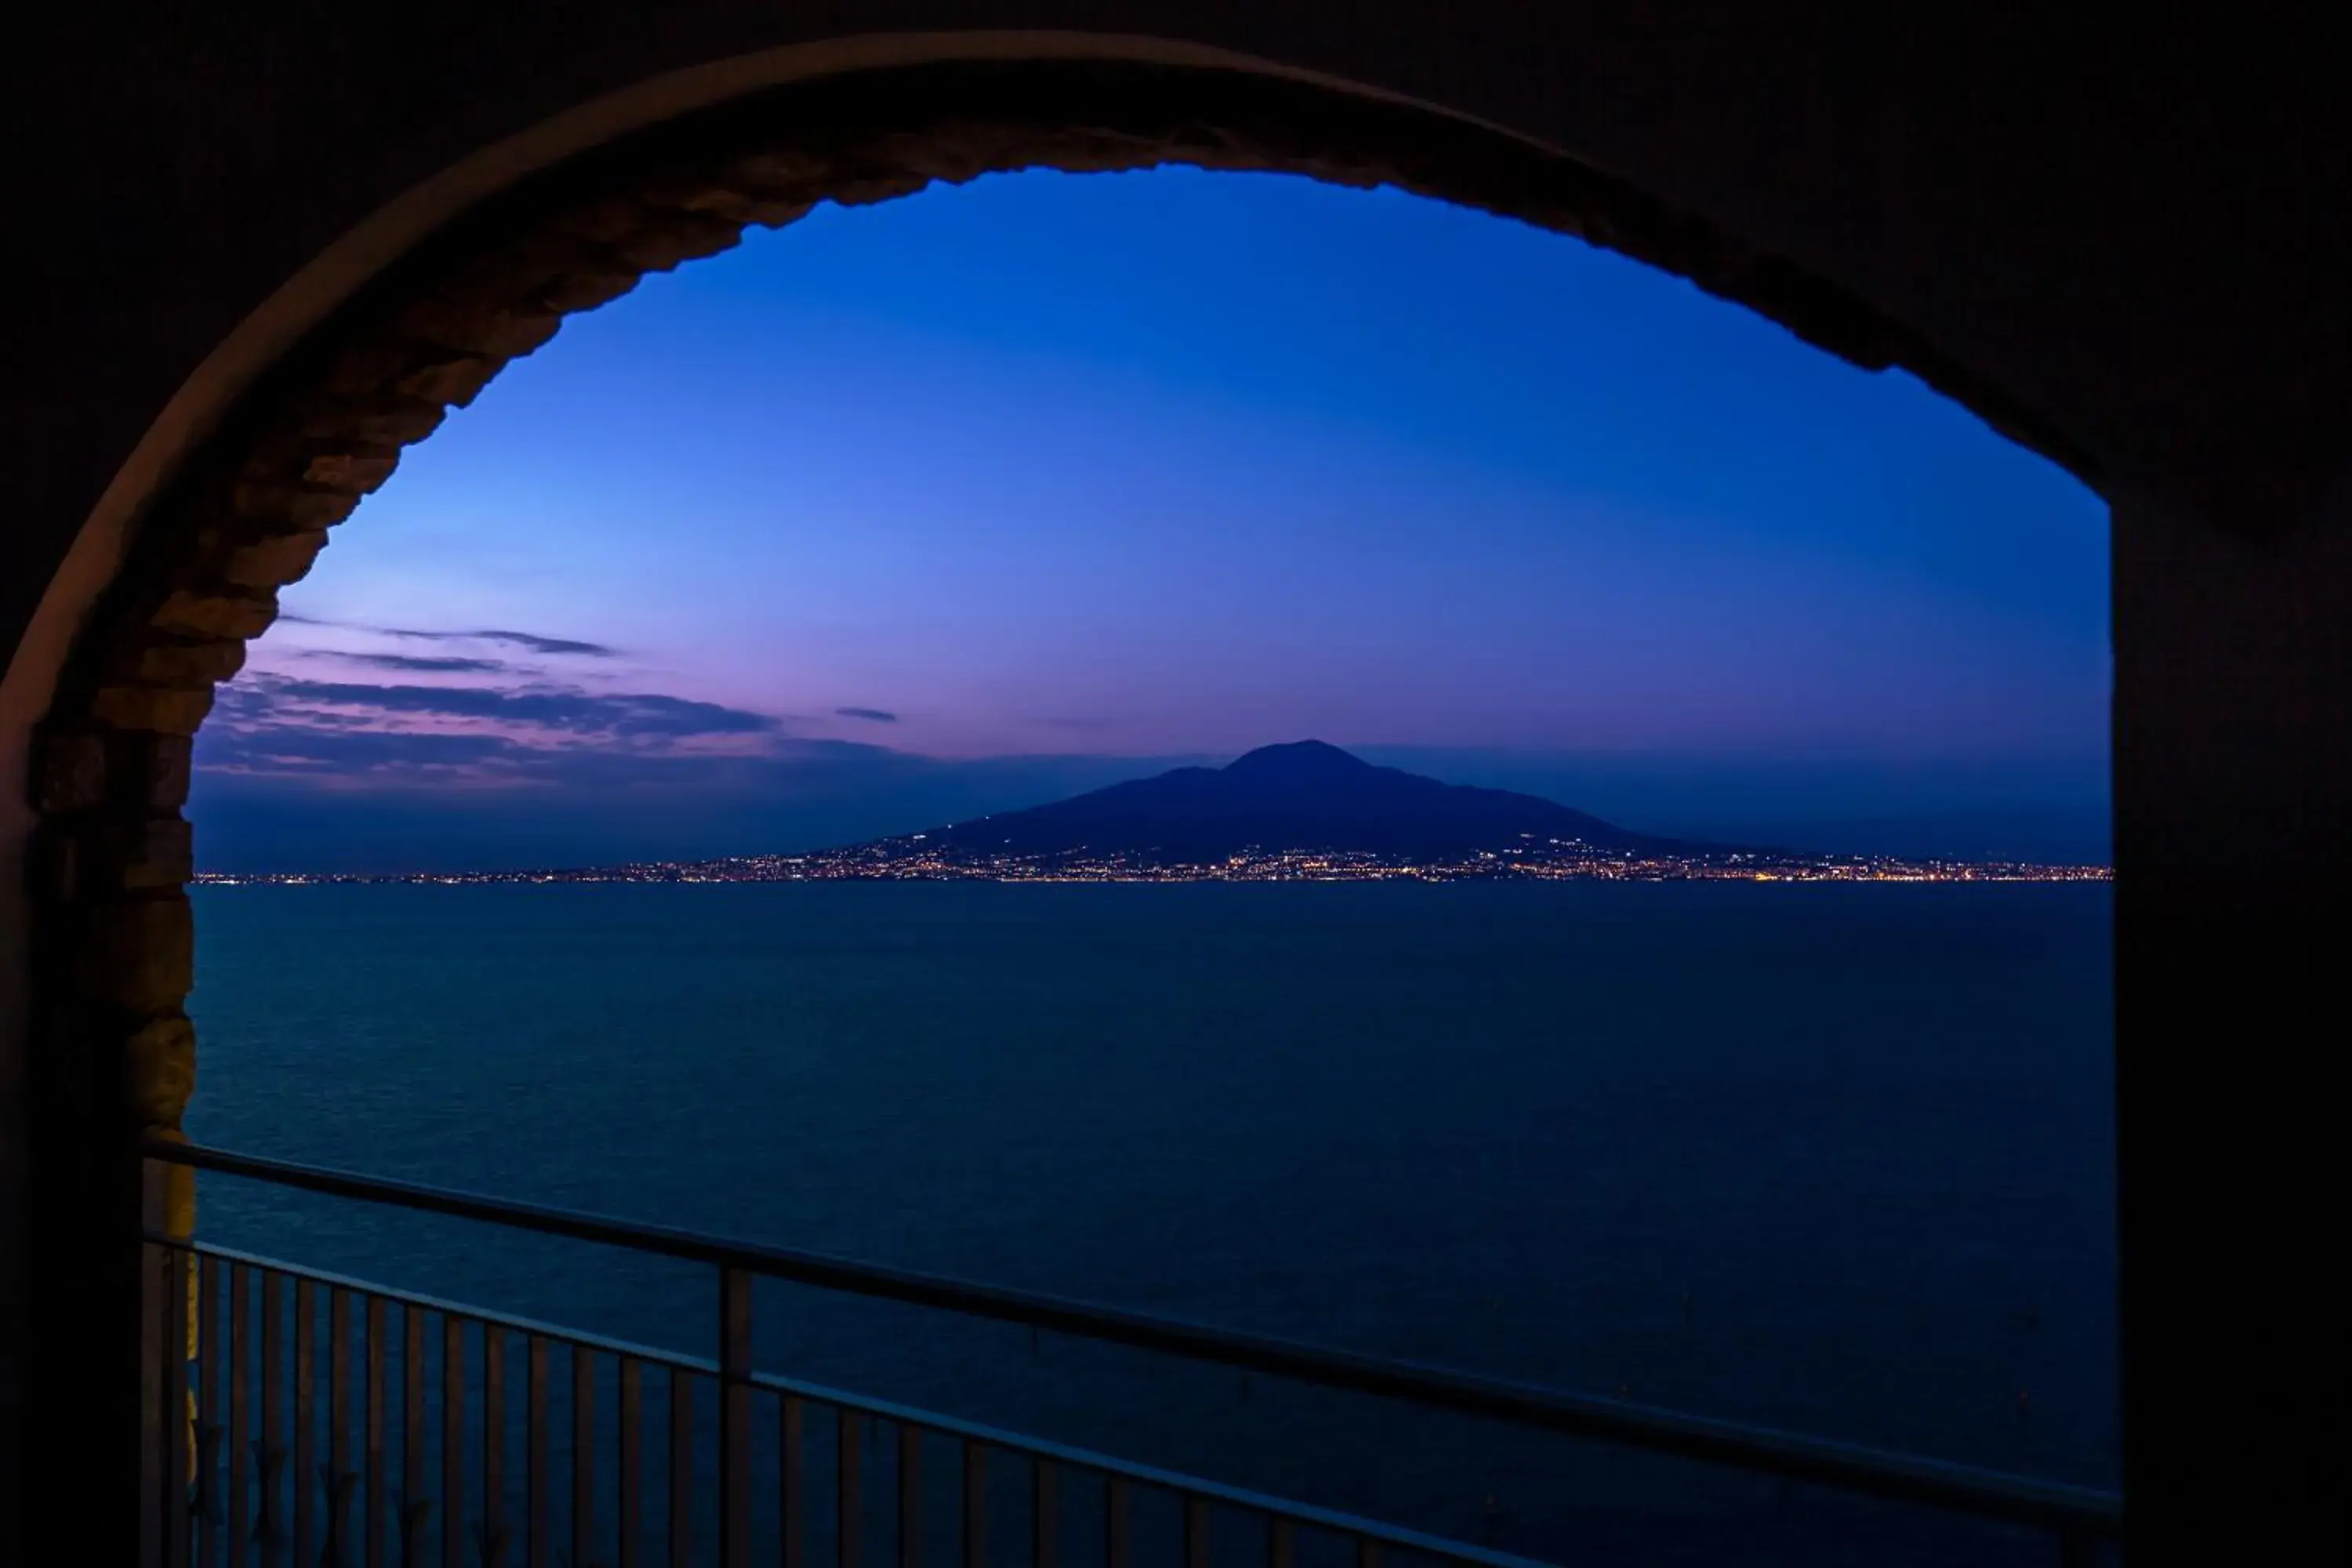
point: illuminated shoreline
(903, 861)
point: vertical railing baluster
(339, 1478)
(632, 1478)
(414, 1505)
(153, 1415)
(849, 1498)
(1046, 1513)
(453, 1440)
(373, 1446)
(179, 1453)
(584, 1455)
(209, 1502)
(494, 1446)
(734, 1418)
(1368, 1552)
(1281, 1543)
(1115, 1534)
(240, 1331)
(1196, 1532)
(298, 1464)
(535, 1452)
(681, 1469)
(910, 1495)
(975, 1505)
(792, 1505)
(270, 1509)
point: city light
(911, 859)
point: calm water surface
(1830, 1158)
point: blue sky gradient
(966, 500)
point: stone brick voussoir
(385, 419)
(159, 1071)
(272, 563)
(883, 185)
(373, 364)
(678, 237)
(452, 379)
(197, 613)
(284, 506)
(164, 710)
(353, 468)
(585, 290)
(950, 156)
(715, 197)
(68, 772)
(181, 661)
(607, 220)
(498, 329)
(147, 853)
(778, 174)
(147, 771)
(138, 953)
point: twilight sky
(973, 500)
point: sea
(1830, 1159)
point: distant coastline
(907, 860)
(1298, 812)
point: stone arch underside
(250, 513)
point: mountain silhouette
(1305, 795)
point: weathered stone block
(70, 772)
(194, 613)
(138, 954)
(354, 470)
(370, 365)
(732, 202)
(586, 291)
(770, 213)
(604, 219)
(277, 455)
(497, 328)
(285, 507)
(159, 1071)
(880, 187)
(176, 662)
(790, 173)
(455, 380)
(678, 237)
(147, 772)
(687, 190)
(179, 1218)
(522, 333)
(273, 563)
(147, 853)
(951, 161)
(166, 710)
(386, 419)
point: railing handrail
(2079, 1511)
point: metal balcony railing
(236, 1486)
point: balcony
(329, 1420)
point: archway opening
(267, 516)
(1422, 540)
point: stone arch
(251, 511)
